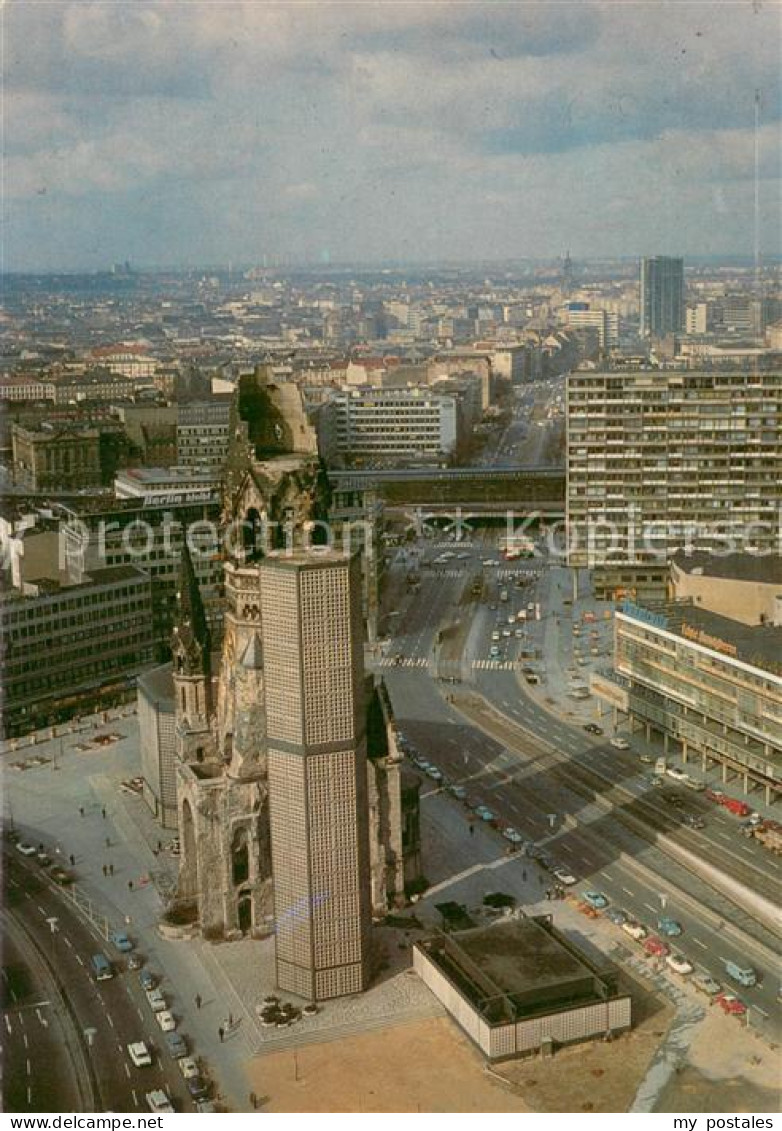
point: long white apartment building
(410, 423)
(660, 460)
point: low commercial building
(712, 687)
(71, 648)
(157, 486)
(520, 985)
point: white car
(159, 1103)
(433, 773)
(157, 1002)
(188, 1066)
(620, 743)
(564, 877)
(26, 849)
(675, 773)
(166, 1021)
(139, 1054)
(512, 835)
(634, 930)
(678, 963)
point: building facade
(662, 296)
(712, 687)
(663, 460)
(315, 719)
(72, 648)
(392, 425)
(202, 433)
(156, 708)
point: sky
(179, 133)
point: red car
(731, 1004)
(656, 947)
(738, 808)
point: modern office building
(662, 296)
(159, 485)
(369, 425)
(73, 648)
(711, 686)
(315, 720)
(604, 322)
(668, 459)
(97, 533)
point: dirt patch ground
(729, 1070)
(596, 1076)
(426, 1066)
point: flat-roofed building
(744, 587)
(72, 648)
(711, 686)
(519, 985)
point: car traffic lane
(113, 1013)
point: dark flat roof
(519, 956)
(766, 568)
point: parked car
(166, 1020)
(678, 963)
(635, 930)
(197, 1088)
(675, 773)
(139, 1054)
(122, 942)
(593, 728)
(656, 947)
(135, 962)
(484, 813)
(157, 1002)
(512, 835)
(731, 1004)
(25, 848)
(743, 974)
(147, 980)
(457, 791)
(433, 773)
(704, 982)
(616, 916)
(671, 928)
(646, 759)
(175, 1043)
(188, 1066)
(620, 743)
(595, 899)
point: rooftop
(519, 968)
(760, 646)
(764, 569)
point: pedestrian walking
(111, 869)
(72, 859)
(221, 1033)
(103, 813)
(198, 1001)
(105, 870)
(130, 885)
(230, 1020)
(472, 830)
(524, 875)
(108, 842)
(160, 846)
(254, 1101)
(81, 810)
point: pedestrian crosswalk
(406, 662)
(495, 665)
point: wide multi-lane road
(557, 784)
(102, 1017)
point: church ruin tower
(192, 669)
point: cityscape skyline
(464, 132)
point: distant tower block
(315, 718)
